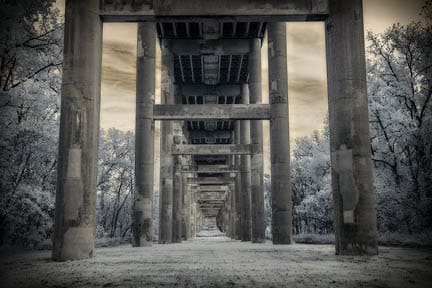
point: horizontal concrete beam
(219, 171)
(215, 206)
(204, 201)
(210, 208)
(212, 195)
(213, 188)
(212, 112)
(212, 167)
(210, 213)
(228, 149)
(209, 47)
(211, 180)
(240, 10)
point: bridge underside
(212, 113)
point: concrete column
(166, 159)
(228, 212)
(353, 193)
(177, 200)
(178, 185)
(144, 135)
(245, 219)
(279, 134)
(199, 220)
(233, 211)
(75, 213)
(186, 208)
(195, 210)
(256, 132)
(183, 212)
(237, 186)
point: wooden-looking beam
(228, 149)
(211, 180)
(212, 111)
(240, 10)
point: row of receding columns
(250, 192)
(353, 194)
(175, 193)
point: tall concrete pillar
(177, 200)
(233, 211)
(75, 208)
(166, 159)
(192, 211)
(245, 216)
(279, 134)
(256, 132)
(183, 212)
(229, 214)
(353, 193)
(237, 186)
(187, 226)
(144, 135)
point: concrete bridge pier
(144, 135)
(238, 183)
(177, 201)
(279, 134)
(75, 209)
(166, 159)
(245, 216)
(353, 192)
(186, 223)
(256, 136)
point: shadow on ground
(220, 262)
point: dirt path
(221, 262)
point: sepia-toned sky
(306, 67)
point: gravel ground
(220, 262)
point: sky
(306, 68)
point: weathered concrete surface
(75, 227)
(279, 134)
(187, 201)
(211, 169)
(177, 202)
(144, 10)
(221, 188)
(213, 112)
(218, 149)
(245, 213)
(237, 183)
(353, 192)
(166, 159)
(219, 262)
(211, 180)
(144, 135)
(256, 138)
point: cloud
(308, 105)
(307, 34)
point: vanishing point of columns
(226, 113)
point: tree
(400, 104)
(116, 182)
(311, 184)
(31, 55)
